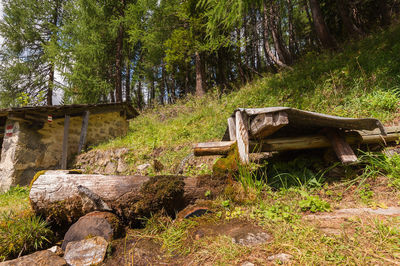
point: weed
(250, 178)
(22, 233)
(366, 194)
(277, 213)
(314, 204)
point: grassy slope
(361, 80)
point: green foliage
(22, 233)
(29, 30)
(15, 198)
(314, 204)
(277, 213)
(365, 193)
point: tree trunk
(273, 21)
(49, 94)
(63, 198)
(269, 54)
(200, 84)
(320, 26)
(349, 27)
(384, 11)
(128, 81)
(118, 57)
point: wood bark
(62, 197)
(232, 128)
(320, 26)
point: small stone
(57, 250)
(282, 257)
(143, 167)
(247, 263)
(104, 224)
(251, 239)
(40, 258)
(110, 168)
(122, 167)
(86, 252)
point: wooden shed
(46, 137)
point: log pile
(256, 135)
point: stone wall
(31, 149)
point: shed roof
(58, 111)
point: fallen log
(63, 197)
(300, 143)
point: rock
(122, 167)
(104, 224)
(143, 167)
(86, 252)
(40, 258)
(110, 168)
(57, 250)
(282, 257)
(158, 166)
(251, 239)
(247, 263)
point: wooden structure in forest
(45, 137)
(284, 129)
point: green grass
(361, 80)
(21, 232)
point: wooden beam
(264, 125)
(340, 146)
(232, 128)
(19, 119)
(242, 136)
(85, 124)
(213, 148)
(64, 157)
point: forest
(151, 52)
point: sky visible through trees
(150, 52)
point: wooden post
(65, 143)
(242, 136)
(85, 123)
(341, 147)
(232, 128)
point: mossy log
(63, 197)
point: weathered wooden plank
(213, 148)
(242, 136)
(232, 128)
(85, 124)
(264, 125)
(64, 157)
(341, 147)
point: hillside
(304, 210)
(361, 79)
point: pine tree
(29, 29)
